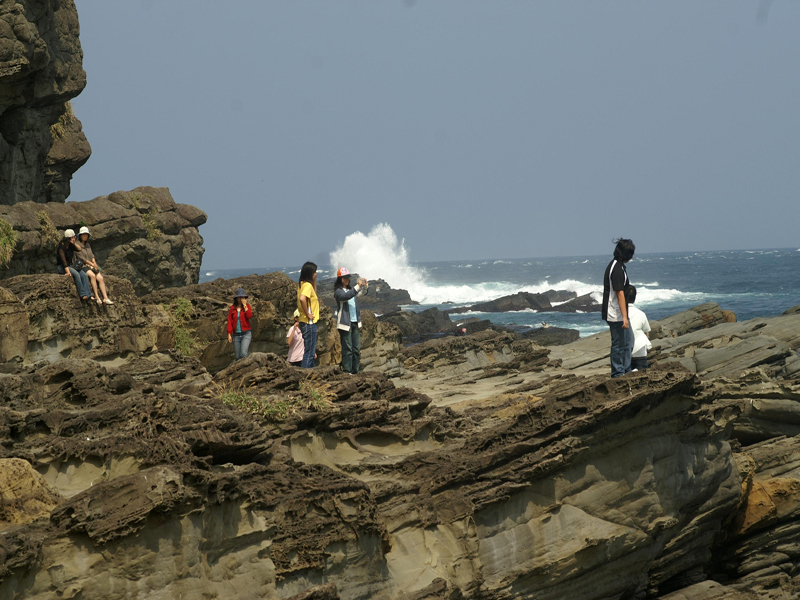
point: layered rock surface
(486, 469)
(143, 236)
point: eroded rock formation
(143, 236)
(488, 467)
(41, 69)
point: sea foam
(382, 254)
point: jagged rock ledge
(142, 235)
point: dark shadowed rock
(585, 303)
(380, 298)
(415, 324)
(518, 301)
(40, 69)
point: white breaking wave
(380, 254)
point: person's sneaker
(107, 301)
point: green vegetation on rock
(49, 232)
(275, 408)
(8, 241)
(59, 129)
(180, 311)
(148, 216)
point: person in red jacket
(239, 317)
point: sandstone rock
(793, 311)
(380, 346)
(142, 236)
(487, 352)
(762, 554)
(61, 325)
(698, 317)
(40, 69)
(13, 327)
(24, 494)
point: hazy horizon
(520, 130)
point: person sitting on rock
(239, 332)
(640, 326)
(90, 266)
(294, 337)
(65, 258)
(348, 319)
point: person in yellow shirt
(308, 305)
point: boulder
(41, 144)
(793, 311)
(585, 303)
(698, 317)
(143, 236)
(514, 302)
(418, 324)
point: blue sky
(475, 129)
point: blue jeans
(241, 344)
(351, 349)
(309, 331)
(81, 280)
(621, 348)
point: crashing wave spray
(379, 254)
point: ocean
(751, 283)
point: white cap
(83, 230)
(69, 233)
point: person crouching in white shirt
(640, 326)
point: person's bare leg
(102, 283)
(93, 281)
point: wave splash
(380, 254)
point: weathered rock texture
(492, 473)
(143, 236)
(40, 70)
(273, 298)
(60, 325)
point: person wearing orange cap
(348, 318)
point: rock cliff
(143, 236)
(41, 142)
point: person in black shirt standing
(615, 307)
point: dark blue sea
(751, 283)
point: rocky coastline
(137, 460)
